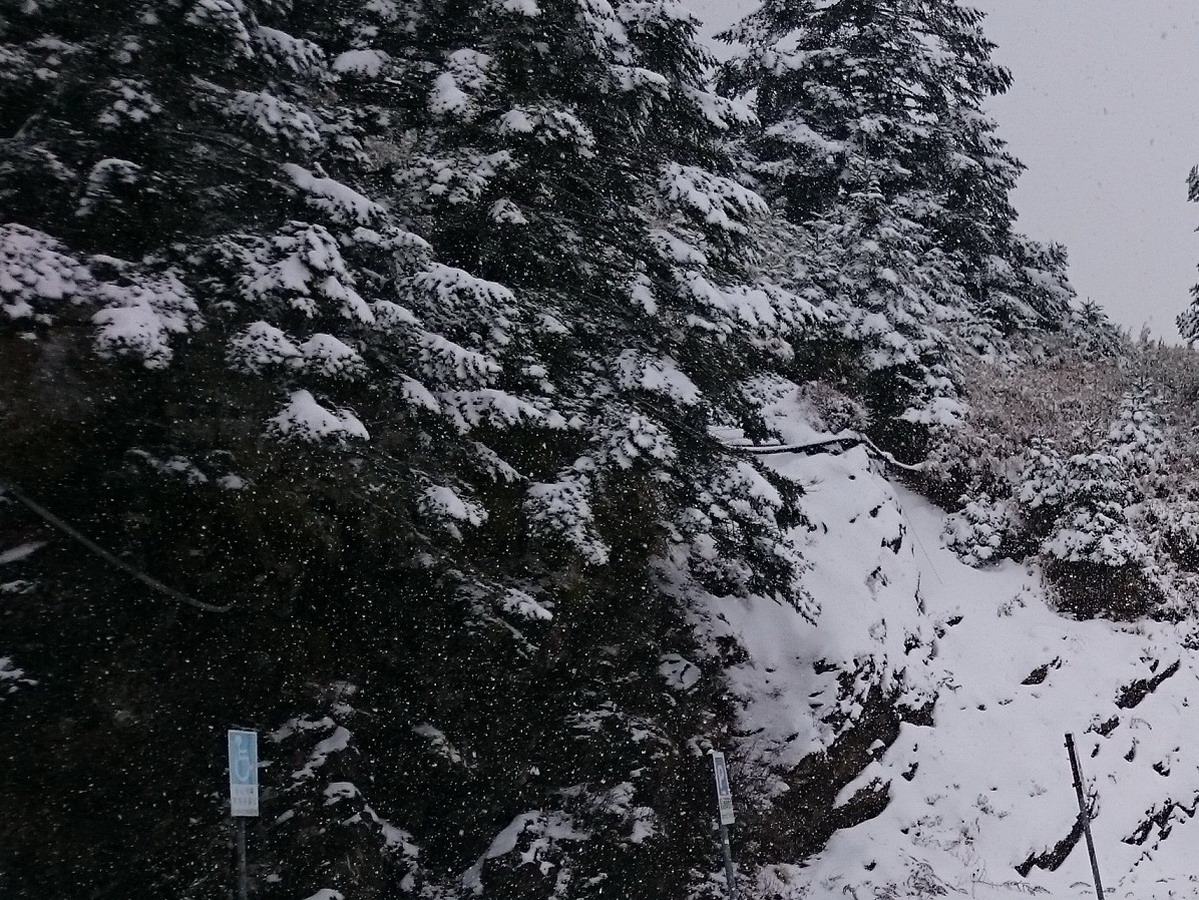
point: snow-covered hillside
(984, 787)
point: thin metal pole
(243, 881)
(1083, 814)
(728, 862)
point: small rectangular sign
(724, 794)
(243, 773)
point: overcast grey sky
(1105, 113)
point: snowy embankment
(987, 786)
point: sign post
(243, 794)
(724, 798)
(1084, 814)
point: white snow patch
(307, 420)
(521, 604)
(12, 678)
(720, 201)
(441, 744)
(20, 552)
(260, 345)
(336, 742)
(331, 357)
(447, 505)
(337, 791)
(659, 375)
(678, 673)
(363, 63)
(544, 830)
(344, 204)
(35, 268)
(527, 8)
(141, 317)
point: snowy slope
(987, 785)
(993, 785)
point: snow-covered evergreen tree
(572, 154)
(853, 92)
(399, 329)
(1091, 526)
(885, 100)
(1137, 436)
(898, 295)
(1092, 554)
(983, 531)
(1040, 484)
(1188, 319)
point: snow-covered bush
(983, 531)
(1175, 525)
(1140, 437)
(1136, 436)
(1040, 485)
(1093, 556)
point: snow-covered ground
(988, 784)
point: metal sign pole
(724, 798)
(729, 877)
(1083, 814)
(243, 880)
(243, 795)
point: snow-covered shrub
(37, 275)
(1088, 589)
(451, 510)
(984, 531)
(141, 315)
(1040, 485)
(1137, 436)
(1093, 556)
(1092, 526)
(1176, 527)
(831, 409)
(1143, 441)
(1095, 535)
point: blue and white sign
(724, 793)
(243, 773)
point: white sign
(243, 773)
(724, 794)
